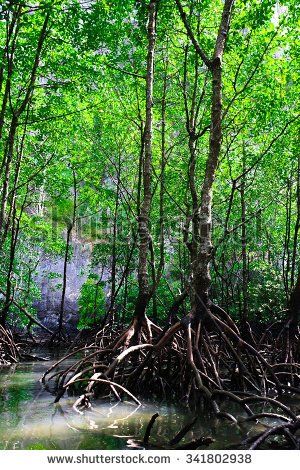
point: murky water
(30, 420)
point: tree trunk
(295, 303)
(143, 218)
(297, 225)
(244, 313)
(71, 224)
(12, 252)
(201, 280)
(114, 245)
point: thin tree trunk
(114, 245)
(16, 113)
(12, 252)
(8, 60)
(201, 281)
(297, 227)
(287, 240)
(143, 218)
(295, 303)
(244, 316)
(71, 224)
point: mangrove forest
(149, 224)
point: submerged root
(287, 430)
(203, 441)
(185, 361)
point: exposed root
(187, 361)
(9, 352)
(288, 430)
(202, 441)
(180, 435)
(149, 428)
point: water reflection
(30, 420)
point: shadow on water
(30, 420)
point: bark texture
(143, 218)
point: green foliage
(265, 292)
(86, 114)
(91, 302)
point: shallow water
(30, 420)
